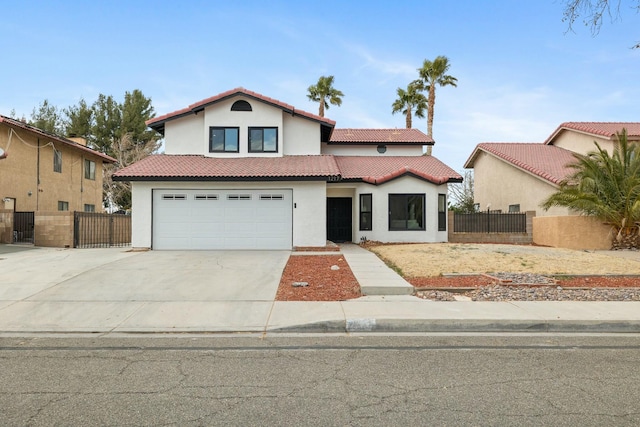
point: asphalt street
(188, 380)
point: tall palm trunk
(431, 103)
(408, 118)
(321, 108)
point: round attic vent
(382, 148)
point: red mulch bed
(325, 284)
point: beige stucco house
(517, 177)
(41, 172)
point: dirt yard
(435, 259)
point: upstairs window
(89, 170)
(223, 140)
(263, 140)
(241, 106)
(89, 208)
(57, 161)
(63, 205)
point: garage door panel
(222, 219)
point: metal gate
(23, 224)
(98, 230)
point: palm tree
(407, 101)
(324, 93)
(607, 187)
(432, 74)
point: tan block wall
(571, 232)
(54, 229)
(6, 226)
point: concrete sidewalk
(47, 291)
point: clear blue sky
(520, 74)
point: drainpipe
(38, 178)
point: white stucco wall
(309, 209)
(184, 135)
(190, 134)
(380, 206)
(302, 136)
(371, 150)
(262, 115)
(500, 184)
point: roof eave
(325, 178)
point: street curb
(464, 325)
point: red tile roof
(603, 129)
(374, 170)
(49, 136)
(164, 167)
(158, 122)
(380, 136)
(545, 161)
(380, 169)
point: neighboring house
(517, 177)
(43, 172)
(244, 171)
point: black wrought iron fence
(99, 230)
(23, 227)
(490, 222)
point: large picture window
(223, 140)
(366, 210)
(406, 212)
(442, 212)
(263, 140)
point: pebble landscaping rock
(523, 278)
(537, 293)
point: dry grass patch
(434, 259)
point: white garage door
(222, 219)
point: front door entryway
(339, 226)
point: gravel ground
(538, 293)
(532, 287)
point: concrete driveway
(47, 289)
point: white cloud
(387, 67)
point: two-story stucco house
(245, 171)
(44, 172)
(517, 177)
